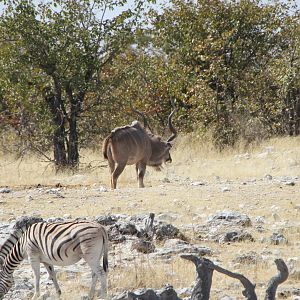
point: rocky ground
(242, 225)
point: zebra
(21, 225)
(61, 244)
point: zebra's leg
(35, 265)
(93, 285)
(52, 276)
(97, 271)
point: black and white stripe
(9, 244)
(57, 244)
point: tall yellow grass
(192, 158)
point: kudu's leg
(52, 276)
(111, 164)
(141, 169)
(116, 173)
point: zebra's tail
(105, 253)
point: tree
(228, 51)
(67, 44)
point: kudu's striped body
(132, 144)
(59, 244)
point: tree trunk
(73, 154)
(55, 102)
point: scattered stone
(56, 192)
(167, 217)
(28, 198)
(242, 156)
(278, 239)
(166, 180)
(285, 293)
(290, 183)
(268, 177)
(227, 298)
(166, 231)
(236, 236)
(276, 217)
(115, 237)
(25, 222)
(106, 220)
(295, 274)
(55, 220)
(175, 246)
(5, 191)
(126, 228)
(143, 246)
(248, 258)
(225, 189)
(230, 217)
(260, 220)
(197, 183)
(102, 189)
(167, 293)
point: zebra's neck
(10, 243)
(15, 256)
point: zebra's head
(6, 282)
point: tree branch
(278, 279)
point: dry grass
(196, 161)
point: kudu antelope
(132, 144)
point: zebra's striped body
(59, 244)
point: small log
(149, 231)
(278, 279)
(205, 269)
(249, 291)
(204, 278)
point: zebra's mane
(19, 228)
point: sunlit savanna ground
(170, 191)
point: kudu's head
(160, 149)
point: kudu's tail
(105, 146)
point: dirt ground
(263, 184)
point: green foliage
(228, 52)
(70, 74)
(55, 52)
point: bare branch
(204, 268)
(278, 279)
(249, 291)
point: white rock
(197, 183)
(102, 189)
(5, 191)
